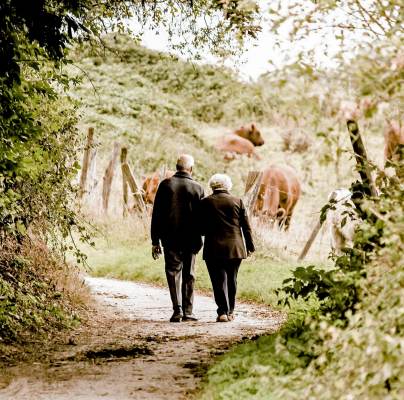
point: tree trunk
(86, 163)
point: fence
(132, 201)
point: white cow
(341, 219)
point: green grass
(258, 276)
(239, 374)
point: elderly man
(174, 224)
(228, 239)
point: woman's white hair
(220, 182)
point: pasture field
(120, 252)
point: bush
(39, 293)
(346, 340)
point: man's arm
(157, 216)
(246, 227)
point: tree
(38, 138)
(365, 39)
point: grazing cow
(242, 141)
(151, 183)
(278, 194)
(393, 139)
(231, 145)
(341, 219)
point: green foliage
(347, 341)
(54, 25)
(251, 370)
(32, 297)
(204, 93)
(37, 142)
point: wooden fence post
(310, 241)
(109, 176)
(362, 167)
(252, 187)
(86, 162)
(92, 171)
(134, 187)
(361, 156)
(124, 154)
(163, 172)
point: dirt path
(128, 350)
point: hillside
(160, 106)
(157, 103)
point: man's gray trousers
(180, 273)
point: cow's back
(393, 138)
(285, 180)
(278, 194)
(232, 143)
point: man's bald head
(185, 162)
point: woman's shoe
(222, 318)
(189, 317)
(230, 316)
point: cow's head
(262, 209)
(251, 133)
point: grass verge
(124, 252)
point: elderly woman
(224, 223)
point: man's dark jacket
(174, 219)
(224, 222)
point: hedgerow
(345, 340)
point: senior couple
(181, 215)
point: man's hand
(249, 253)
(156, 251)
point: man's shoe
(230, 316)
(222, 318)
(189, 317)
(176, 317)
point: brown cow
(278, 194)
(250, 133)
(242, 141)
(393, 139)
(151, 183)
(231, 145)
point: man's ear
(190, 170)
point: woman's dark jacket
(174, 220)
(224, 222)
